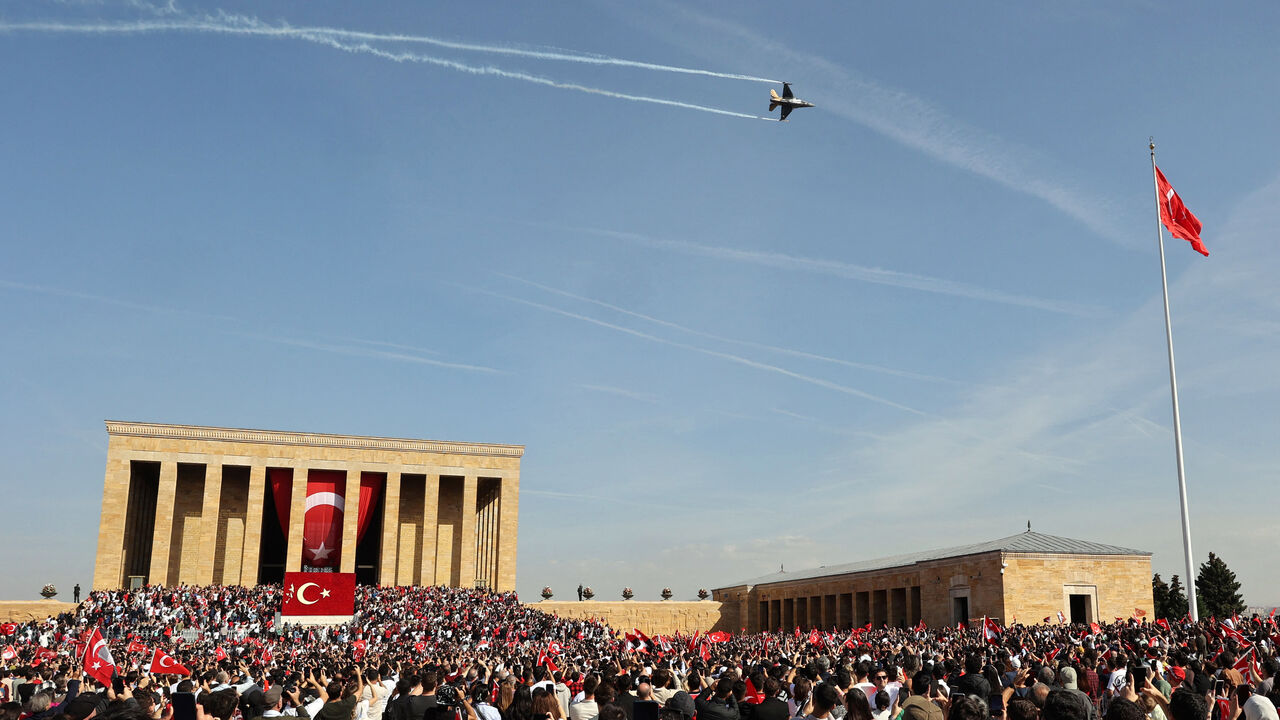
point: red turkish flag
(312, 594)
(1175, 216)
(705, 651)
(544, 659)
(1095, 628)
(219, 654)
(720, 636)
(136, 647)
(358, 649)
(97, 660)
(163, 664)
(9, 628)
(9, 653)
(990, 630)
(419, 646)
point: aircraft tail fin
(774, 94)
(773, 106)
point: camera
(448, 696)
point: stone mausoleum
(1026, 577)
(185, 504)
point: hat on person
(271, 695)
(682, 703)
(1177, 673)
(82, 707)
(1260, 708)
(1068, 677)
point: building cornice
(279, 437)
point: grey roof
(1025, 542)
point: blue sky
(919, 314)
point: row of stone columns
(897, 607)
(498, 570)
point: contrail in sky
(862, 273)
(734, 341)
(737, 359)
(574, 57)
(234, 25)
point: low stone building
(1024, 578)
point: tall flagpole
(1177, 419)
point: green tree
(1177, 605)
(1217, 590)
(1160, 596)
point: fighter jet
(788, 101)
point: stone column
(297, 510)
(350, 516)
(505, 542)
(467, 564)
(430, 501)
(253, 525)
(209, 521)
(108, 571)
(390, 529)
(163, 534)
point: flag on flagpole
(97, 660)
(1175, 215)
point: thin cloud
(850, 271)
(734, 341)
(360, 351)
(621, 392)
(104, 300)
(562, 495)
(712, 353)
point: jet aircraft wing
(786, 110)
(786, 90)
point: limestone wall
(21, 611)
(652, 618)
(1038, 586)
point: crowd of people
(437, 653)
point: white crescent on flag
(302, 593)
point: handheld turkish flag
(319, 597)
(358, 649)
(553, 648)
(9, 628)
(1095, 628)
(720, 636)
(990, 630)
(420, 646)
(136, 647)
(1061, 618)
(219, 654)
(9, 653)
(97, 660)
(163, 663)
(705, 651)
(266, 656)
(921, 627)
(1162, 623)
(814, 637)
(1175, 216)
(544, 659)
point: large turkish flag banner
(309, 594)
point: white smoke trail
(326, 37)
(564, 56)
